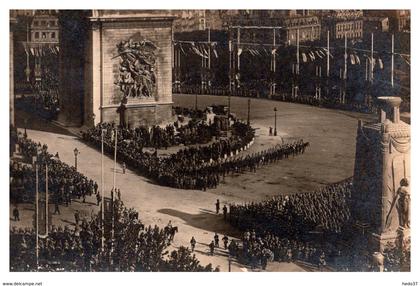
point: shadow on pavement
(208, 221)
(34, 122)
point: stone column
(93, 77)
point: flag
(182, 49)
(203, 50)
(304, 57)
(239, 51)
(26, 50)
(312, 55)
(352, 60)
(214, 51)
(194, 48)
(316, 52)
(322, 53)
(273, 51)
(381, 64)
(357, 59)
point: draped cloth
(401, 145)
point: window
(53, 35)
(44, 35)
(43, 23)
(52, 23)
(36, 23)
(202, 24)
(36, 35)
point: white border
(192, 278)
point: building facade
(342, 23)
(303, 27)
(44, 27)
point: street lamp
(25, 126)
(275, 121)
(76, 152)
(249, 110)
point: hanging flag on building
(213, 47)
(304, 57)
(381, 64)
(312, 55)
(182, 48)
(352, 59)
(357, 59)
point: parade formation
(208, 180)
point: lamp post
(25, 126)
(275, 121)
(76, 152)
(249, 111)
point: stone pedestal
(381, 196)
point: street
(329, 159)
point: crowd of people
(295, 214)
(64, 182)
(132, 247)
(251, 90)
(294, 227)
(45, 95)
(193, 167)
(194, 132)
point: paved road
(329, 159)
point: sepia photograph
(209, 140)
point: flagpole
(115, 157)
(371, 57)
(297, 51)
(209, 66)
(114, 191)
(46, 198)
(27, 54)
(274, 62)
(345, 67)
(392, 60)
(102, 192)
(179, 69)
(230, 73)
(345, 56)
(36, 213)
(328, 53)
(239, 41)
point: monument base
(380, 242)
(140, 114)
